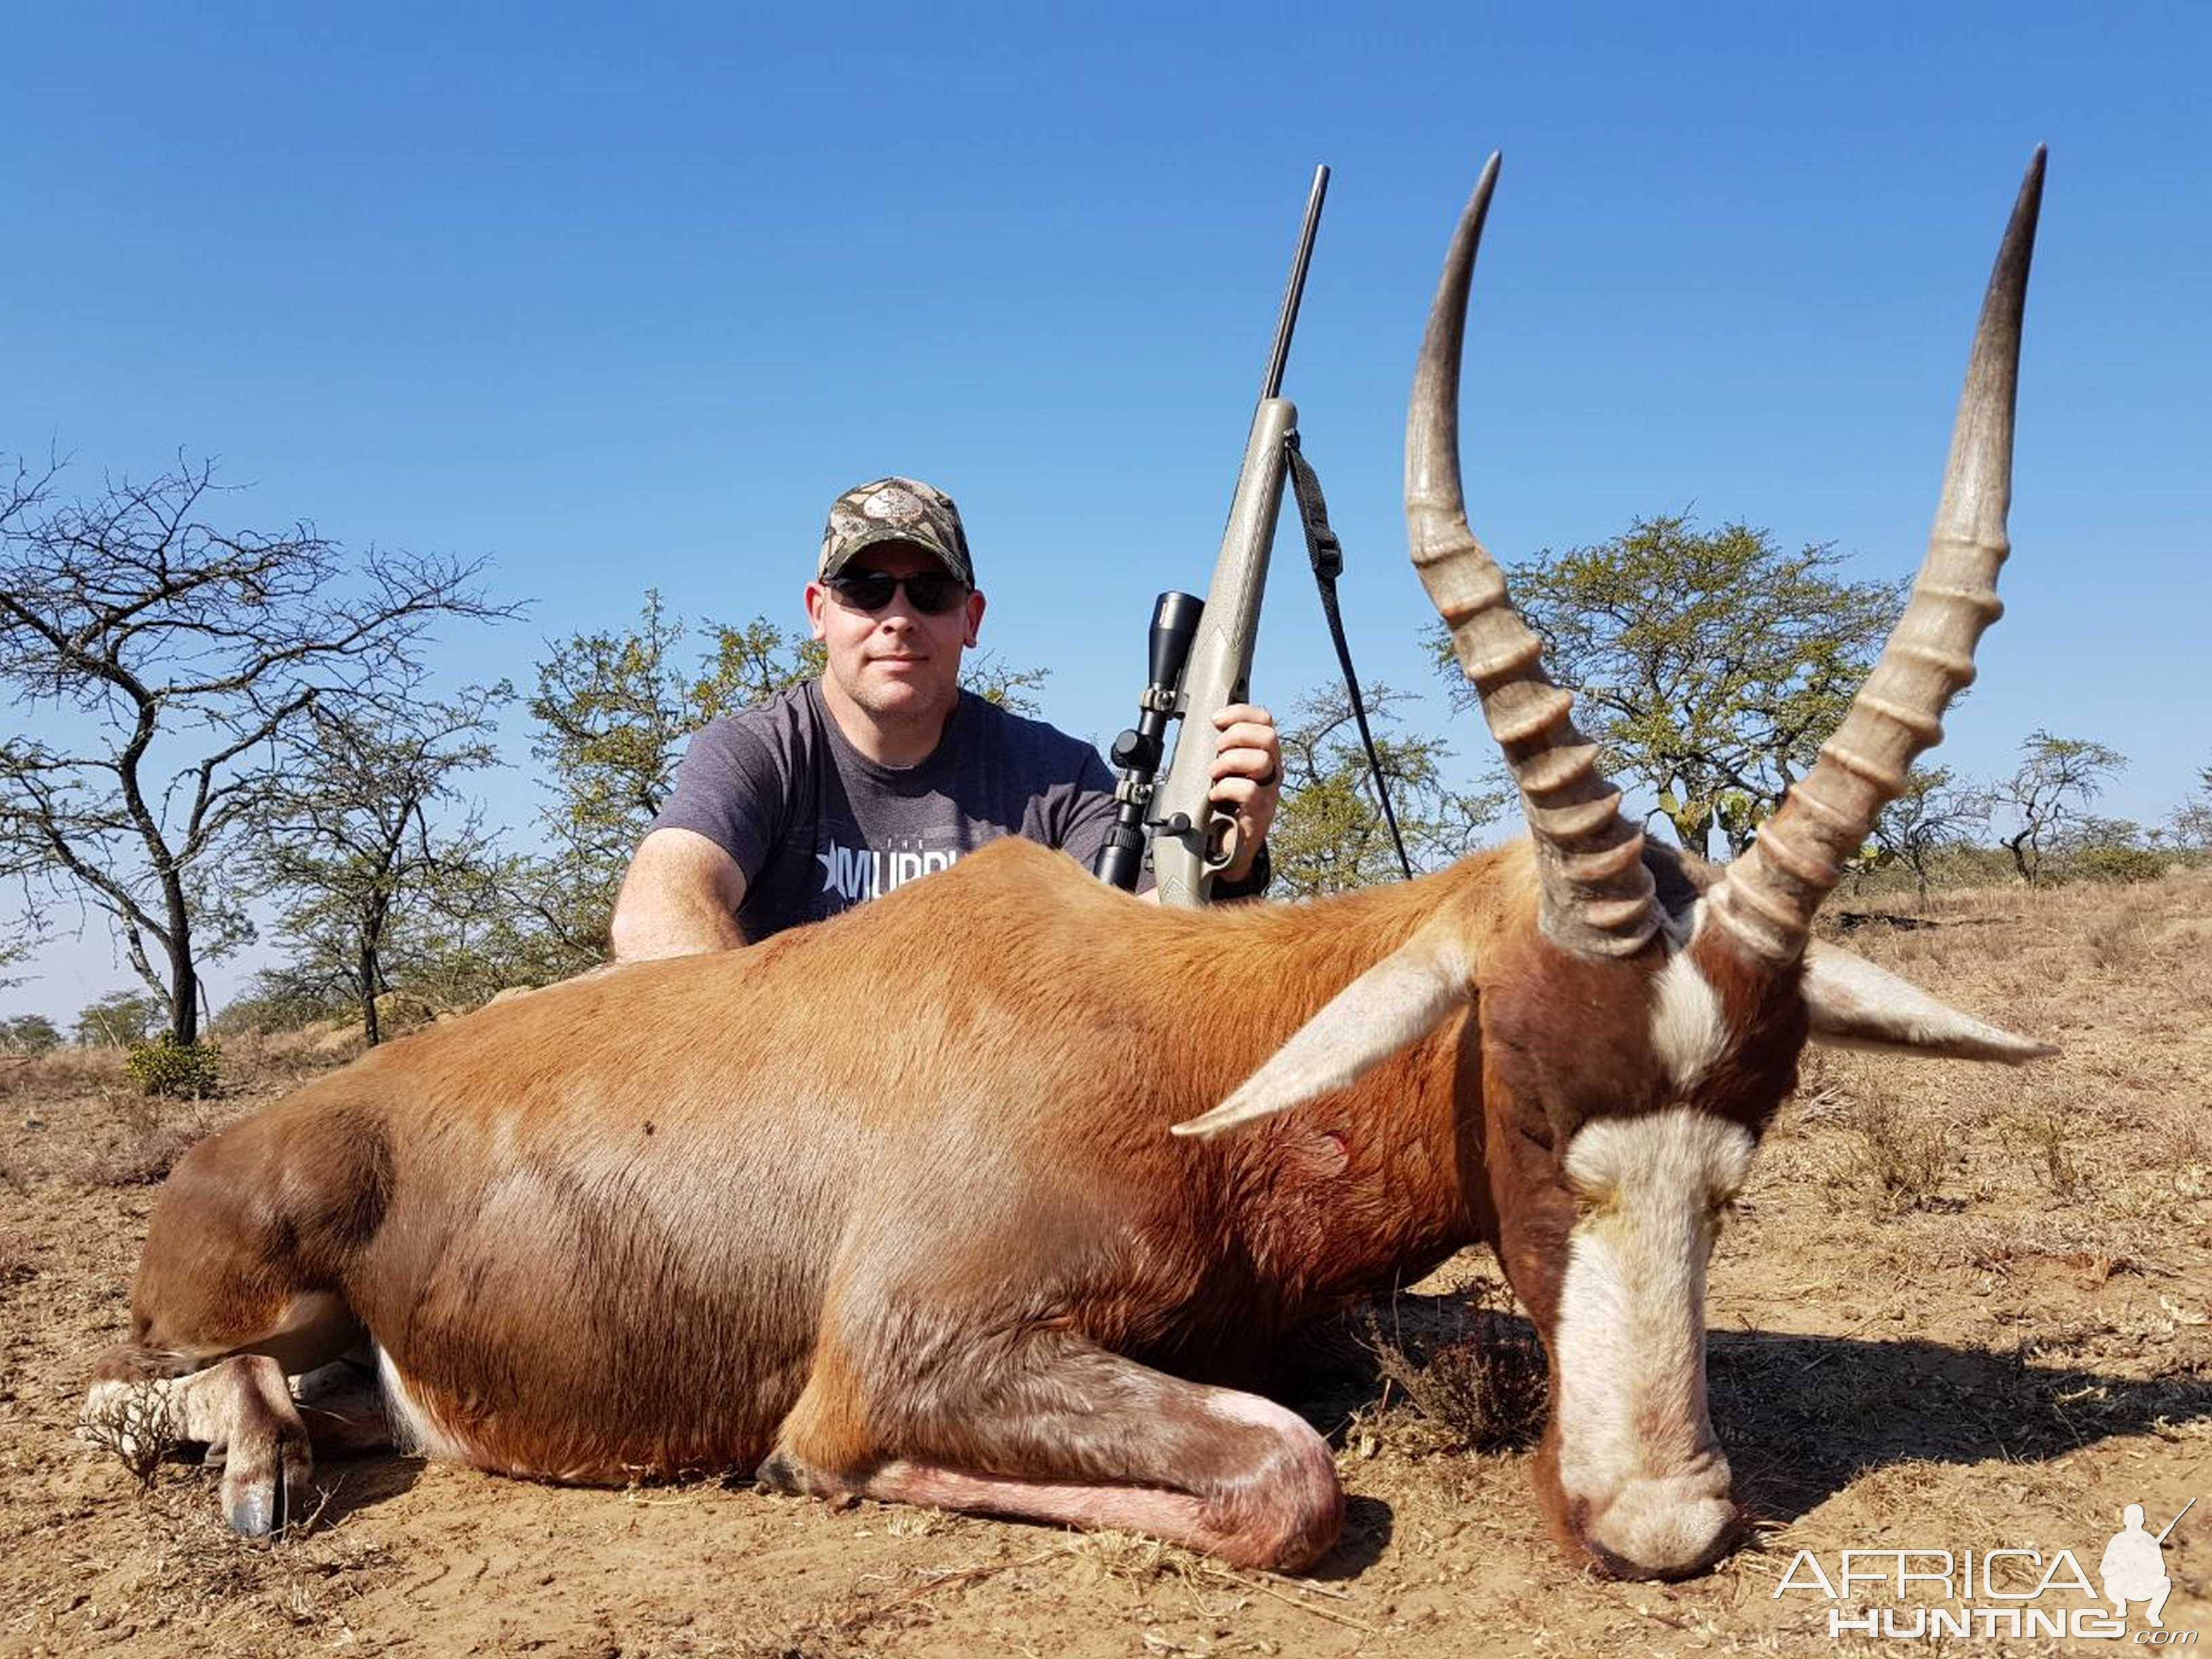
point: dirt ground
(1960, 1307)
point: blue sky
(622, 299)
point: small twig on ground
(1259, 1580)
(1315, 1608)
(960, 1575)
(1305, 1584)
(323, 1497)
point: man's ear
(816, 597)
(974, 616)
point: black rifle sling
(1327, 555)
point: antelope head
(1638, 1017)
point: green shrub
(2118, 863)
(163, 1066)
(277, 1008)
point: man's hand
(1248, 778)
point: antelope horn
(1595, 893)
(1766, 898)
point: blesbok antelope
(891, 1206)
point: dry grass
(80, 1120)
(1470, 1365)
(40, 1078)
(2047, 1138)
(2001, 1247)
(2119, 943)
(243, 1595)
(1901, 1155)
(254, 1064)
(1133, 1559)
(146, 1136)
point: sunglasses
(933, 592)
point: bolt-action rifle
(1201, 654)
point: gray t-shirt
(816, 827)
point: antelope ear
(1394, 1003)
(1856, 1004)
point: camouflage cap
(895, 510)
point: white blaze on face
(1637, 1455)
(1688, 1033)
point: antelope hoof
(785, 1474)
(254, 1509)
(265, 1494)
(781, 1475)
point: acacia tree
(614, 710)
(1935, 812)
(30, 1034)
(1329, 832)
(1707, 664)
(367, 835)
(30, 926)
(2192, 819)
(2056, 780)
(117, 1019)
(164, 659)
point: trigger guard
(1223, 840)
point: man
(884, 770)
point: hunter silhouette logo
(2018, 1593)
(2133, 1567)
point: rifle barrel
(2176, 1522)
(1288, 319)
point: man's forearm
(678, 930)
(680, 897)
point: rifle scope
(1138, 752)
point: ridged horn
(1595, 894)
(1766, 899)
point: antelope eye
(1593, 1198)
